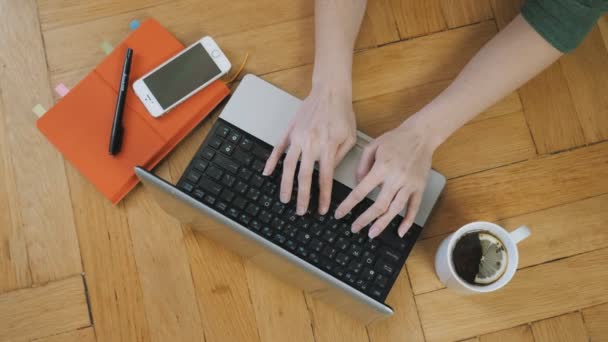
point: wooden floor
(75, 268)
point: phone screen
(181, 76)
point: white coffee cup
(444, 266)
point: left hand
(399, 161)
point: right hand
(323, 130)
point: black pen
(117, 130)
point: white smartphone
(181, 76)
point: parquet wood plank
(402, 65)
(14, 265)
(107, 256)
(586, 71)
(534, 293)
(57, 13)
(404, 325)
(464, 12)
(484, 145)
(39, 175)
(378, 114)
(521, 333)
(417, 18)
(50, 309)
(505, 10)
(565, 328)
(164, 269)
(280, 309)
(581, 223)
(331, 325)
(81, 335)
(378, 26)
(596, 322)
(474, 339)
(77, 46)
(603, 25)
(521, 188)
(550, 112)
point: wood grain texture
(331, 325)
(521, 188)
(505, 11)
(404, 325)
(446, 315)
(402, 65)
(81, 335)
(565, 328)
(14, 265)
(163, 267)
(107, 256)
(378, 26)
(603, 25)
(550, 112)
(586, 71)
(464, 12)
(416, 18)
(378, 114)
(596, 322)
(39, 175)
(522, 333)
(484, 145)
(50, 309)
(580, 223)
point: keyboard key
(258, 166)
(200, 164)
(240, 202)
(243, 158)
(389, 254)
(271, 188)
(381, 281)
(385, 267)
(209, 199)
(361, 285)
(355, 266)
(350, 277)
(228, 179)
(368, 274)
(207, 153)
(199, 194)
(245, 174)
(342, 259)
(302, 251)
(342, 243)
(214, 172)
(244, 219)
(187, 187)
(193, 176)
(266, 201)
(376, 292)
(278, 208)
(261, 152)
(253, 194)
(257, 181)
(222, 131)
(290, 245)
(280, 239)
(240, 187)
(291, 231)
(226, 163)
(265, 216)
(215, 142)
(252, 209)
(246, 143)
(303, 237)
(267, 231)
(256, 225)
(355, 251)
(227, 148)
(233, 213)
(221, 206)
(234, 137)
(327, 264)
(210, 186)
(314, 258)
(277, 223)
(227, 195)
(316, 245)
(329, 236)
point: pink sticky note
(61, 89)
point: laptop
(314, 252)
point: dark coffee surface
(466, 257)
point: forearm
(510, 59)
(337, 24)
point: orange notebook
(79, 124)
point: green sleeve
(563, 23)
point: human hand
(399, 161)
(324, 130)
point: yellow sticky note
(39, 110)
(106, 47)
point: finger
(372, 180)
(379, 207)
(307, 166)
(412, 209)
(367, 160)
(276, 154)
(326, 176)
(396, 206)
(344, 148)
(289, 169)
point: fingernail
(323, 210)
(301, 210)
(265, 172)
(338, 215)
(401, 233)
(373, 233)
(355, 227)
(284, 197)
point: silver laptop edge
(263, 110)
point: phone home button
(215, 53)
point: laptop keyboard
(226, 175)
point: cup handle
(520, 234)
